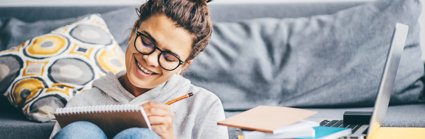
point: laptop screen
(388, 77)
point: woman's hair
(192, 15)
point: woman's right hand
(161, 119)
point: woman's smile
(142, 70)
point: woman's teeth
(143, 69)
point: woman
(164, 41)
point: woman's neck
(130, 87)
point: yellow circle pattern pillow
(46, 71)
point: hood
(110, 85)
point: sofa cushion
(44, 72)
(13, 30)
(333, 60)
(15, 126)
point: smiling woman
(147, 67)
(164, 40)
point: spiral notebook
(110, 118)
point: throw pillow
(44, 72)
(331, 60)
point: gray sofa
(13, 124)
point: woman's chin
(139, 82)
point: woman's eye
(146, 41)
(170, 57)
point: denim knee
(81, 130)
(136, 133)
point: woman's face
(144, 71)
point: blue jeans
(88, 130)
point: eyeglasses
(146, 46)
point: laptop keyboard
(340, 123)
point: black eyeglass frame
(139, 34)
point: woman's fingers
(160, 118)
(156, 109)
(157, 112)
(162, 130)
(151, 104)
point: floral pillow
(43, 73)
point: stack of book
(297, 130)
(274, 122)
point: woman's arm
(206, 122)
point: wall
(8, 3)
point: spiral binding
(97, 109)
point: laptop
(385, 88)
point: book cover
(323, 132)
(110, 118)
(266, 118)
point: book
(299, 129)
(110, 118)
(324, 132)
(266, 118)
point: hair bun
(201, 1)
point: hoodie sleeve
(82, 99)
(71, 103)
(206, 123)
(55, 130)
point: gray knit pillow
(320, 61)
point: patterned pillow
(44, 72)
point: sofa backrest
(220, 13)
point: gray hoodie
(195, 117)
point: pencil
(179, 98)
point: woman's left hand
(160, 118)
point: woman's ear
(185, 66)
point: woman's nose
(152, 59)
